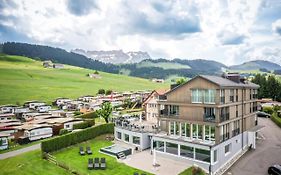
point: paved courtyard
(268, 152)
(143, 160)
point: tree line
(270, 86)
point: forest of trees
(270, 86)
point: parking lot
(268, 152)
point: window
(196, 96)
(186, 151)
(222, 96)
(172, 128)
(231, 96)
(236, 95)
(200, 132)
(158, 145)
(183, 129)
(209, 114)
(209, 96)
(4, 141)
(187, 130)
(194, 131)
(136, 140)
(172, 148)
(203, 155)
(209, 133)
(215, 157)
(227, 149)
(67, 126)
(119, 135)
(173, 110)
(127, 137)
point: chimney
(233, 77)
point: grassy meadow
(23, 79)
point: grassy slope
(163, 65)
(25, 79)
(29, 163)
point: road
(268, 152)
(20, 151)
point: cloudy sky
(227, 31)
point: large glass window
(183, 131)
(212, 133)
(173, 110)
(158, 145)
(136, 140)
(177, 128)
(209, 133)
(172, 148)
(200, 132)
(119, 135)
(215, 157)
(203, 155)
(172, 128)
(187, 130)
(127, 137)
(196, 96)
(186, 151)
(194, 131)
(209, 96)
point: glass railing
(209, 118)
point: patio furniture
(96, 164)
(102, 163)
(90, 164)
(81, 151)
(88, 150)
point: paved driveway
(268, 152)
(20, 151)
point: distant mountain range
(137, 64)
(114, 56)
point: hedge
(276, 119)
(88, 115)
(69, 139)
(85, 124)
(63, 131)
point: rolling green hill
(25, 79)
(163, 65)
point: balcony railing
(236, 132)
(209, 118)
(164, 113)
(224, 137)
(224, 117)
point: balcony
(165, 114)
(235, 132)
(224, 137)
(224, 117)
(209, 118)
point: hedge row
(276, 119)
(89, 115)
(85, 124)
(76, 137)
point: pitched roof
(220, 81)
(158, 91)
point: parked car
(274, 170)
(263, 114)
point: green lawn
(188, 171)
(25, 79)
(29, 163)
(71, 157)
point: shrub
(276, 119)
(69, 139)
(101, 91)
(85, 124)
(63, 131)
(77, 113)
(89, 115)
(267, 109)
(108, 92)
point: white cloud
(220, 30)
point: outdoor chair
(90, 164)
(96, 164)
(102, 163)
(88, 150)
(81, 151)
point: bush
(101, 91)
(89, 115)
(63, 131)
(108, 92)
(85, 124)
(276, 119)
(267, 109)
(77, 113)
(193, 171)
(69, 139)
